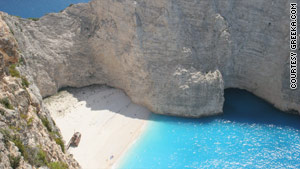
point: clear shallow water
(250, 134)
(35, 8)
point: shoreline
(106, 118)
(119, 161)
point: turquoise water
(250, 134)
(35, 8)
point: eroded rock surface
(29, 138)
(172, 56)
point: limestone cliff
(28, 136)
(172, 56)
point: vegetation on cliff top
(34, 19)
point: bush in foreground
(58, 165)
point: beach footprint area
(106, 118)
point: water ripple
(240, 138)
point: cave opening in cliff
(243, 106)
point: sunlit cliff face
(174, 57)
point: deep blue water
(250, 134)
(35, 8)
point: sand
(106, 118)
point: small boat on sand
(74, 141)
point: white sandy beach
(106, 118)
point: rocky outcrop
(174, 57)
(8, 48)
(28, 136)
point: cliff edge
(28, 136)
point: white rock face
(174, 57)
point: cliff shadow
(101, 97)
(240, 106)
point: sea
(35, 8)
(250, 133)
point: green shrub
(34, 19)
(58, 165)
(29, 122)
(41, 158)
(15, 128)
(23, 149)
(25, 82)
(21, 60)
(2, 112)
(12, 32)
(54, 135)
(61, 143)
(58, 139)
(16, 16)
(14, 161)
(23, 116)
(36, 157)
(6, 136)
(5, 102)
(46, 123)
(13, 71)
